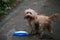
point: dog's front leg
(33, 29)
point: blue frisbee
(20, 33)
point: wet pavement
(15, 21)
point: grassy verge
(6, 5)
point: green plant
(5, 6)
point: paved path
(15, 21)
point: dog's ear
(34, 17)
(24, 16)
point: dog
(39, 23)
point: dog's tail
(56, 15)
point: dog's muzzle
(28, 17)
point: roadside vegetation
(6, 5)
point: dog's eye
(29, 13)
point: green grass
(5, 6)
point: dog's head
(30, 14)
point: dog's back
(42, 18)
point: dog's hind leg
(51, 30)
